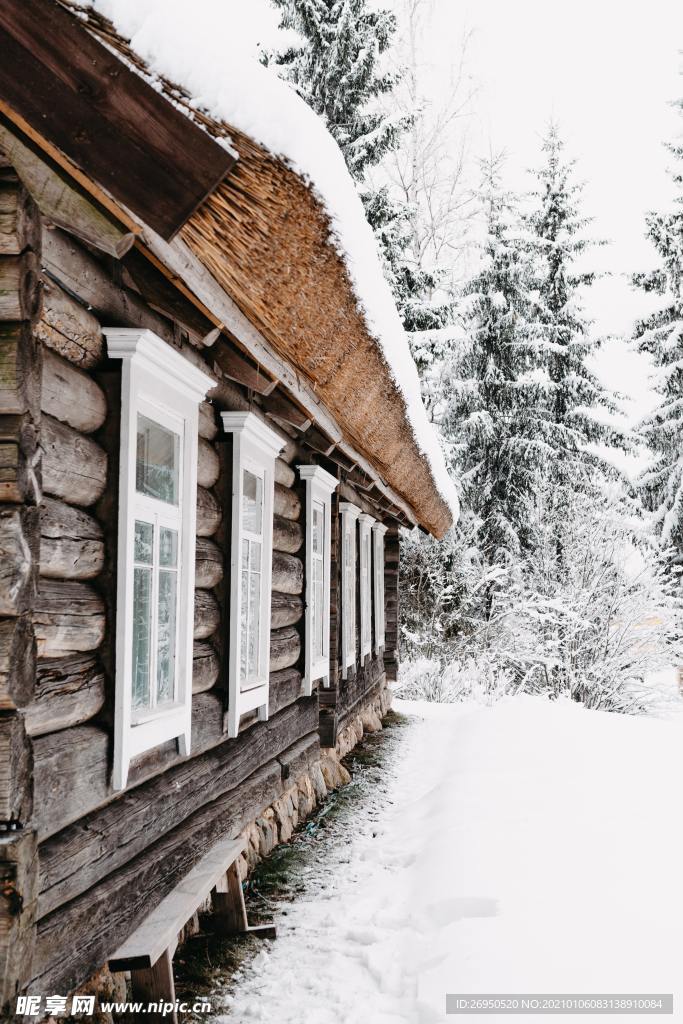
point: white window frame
(255, 448)
(349, 514)
(378, 531)
(159, 383)
(365, 523)
(320, 486)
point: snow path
(528, 847)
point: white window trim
(378, 531)
(349, 514)
(365, 523)
(320, 486)
(159, 382)
(255, 447)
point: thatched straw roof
(265, 238)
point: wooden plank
(229, 909)
(160, 930)
(155, 985)
(123, 133)
(102, 840)
(279, 405)
(60, 201)
(100, 919)
(237, 367)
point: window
(255, 447)
(320, 486)
(349, 514)
(160, 394)
(378, 531)
(364, 531)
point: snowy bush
(590, 610)
(479, 680)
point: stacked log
(20, 492)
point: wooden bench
(148, 952)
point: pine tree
(661, 334)
(496, 416)
(338, 69)
(577, 401)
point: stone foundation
(303, 792)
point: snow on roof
(193, 45)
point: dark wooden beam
(282, 408)
(111, 123)
(237, 367)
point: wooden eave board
(160, 929)
(105, 118)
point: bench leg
(228, 906)
(155, 985)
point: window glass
(250, 624)
(142, 631)
(157, 472)
(252, 502)
(166, 635)
(168, 547)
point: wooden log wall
(20, 493)
(89, 864)
(67, 698)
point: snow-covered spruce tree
(339, 69)
(661, 334)
(580, 408)
(495, 415)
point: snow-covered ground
(530, 846)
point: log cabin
(205, 462)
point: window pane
(255, 556)
(317, 528)
(158, 461)
(142, 608)
(144, 543)
(252, 501)
(168, 589)
(168, 547)
(244, 624)
(254, 624)
(318, 620)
